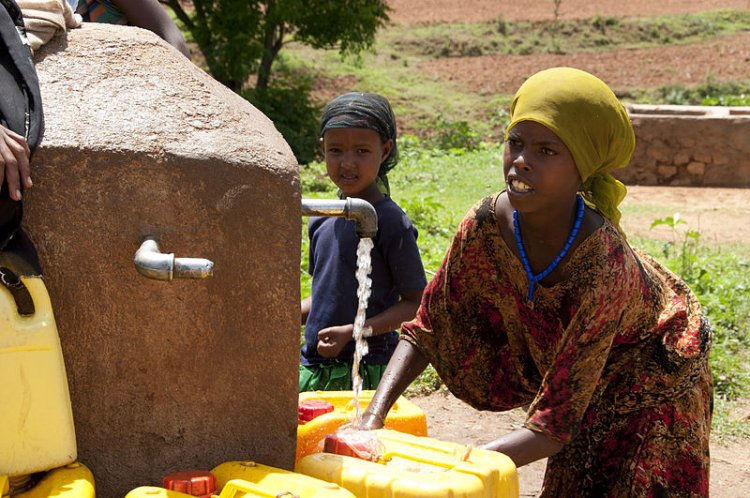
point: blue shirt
(396, 269)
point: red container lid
(334, 444)
(308, 410)
(199, 483)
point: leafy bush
(450, 134)
(427, 382)
(728, 100)
(602, 23)
(293, 114)
(708, 93)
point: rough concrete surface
(186, 374)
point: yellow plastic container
(253, 480)
(36, 420)
(404, 417)
(273, 480)
(154, 492)
(418, 467)
(71, 481)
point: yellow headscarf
(587, 116)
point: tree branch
(180, 13)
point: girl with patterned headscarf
(366, 111)
(541, 301)
(358, 140)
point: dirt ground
(720, 215)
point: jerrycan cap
(308, 410)
(199, 483)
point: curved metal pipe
(358, 210)
(152, 263)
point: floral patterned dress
(613, 360)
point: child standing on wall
(358, 139)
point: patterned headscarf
(368, 111)
(587, 116)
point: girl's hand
(333, 339)
(14, 162)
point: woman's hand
(405, 364)
(371, 420)
(524, 446)
(332, 340)
(14, 162)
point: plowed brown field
(721, 60)
(431, 11)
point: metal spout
(152, 263)
(358, 210)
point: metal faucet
(152, 263)
(351, 208)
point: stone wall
(186, 374)
(689, 146)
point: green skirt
(338, 377)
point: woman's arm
(405, 365)
(149, 14)
(524, 446)
(332, 340)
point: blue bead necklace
(533, 279)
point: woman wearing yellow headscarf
(541, 301)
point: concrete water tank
(165, 375)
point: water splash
(364, 267)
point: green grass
(436, 188)
(725, 424)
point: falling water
(364, 267)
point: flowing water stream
(360, 333)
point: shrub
(450, 134)
(293, 114)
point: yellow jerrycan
(244, 480)
(314, 424)
(36, 419)
(71, 481)
(409, 466)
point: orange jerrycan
(36, 419)
(315, 422)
